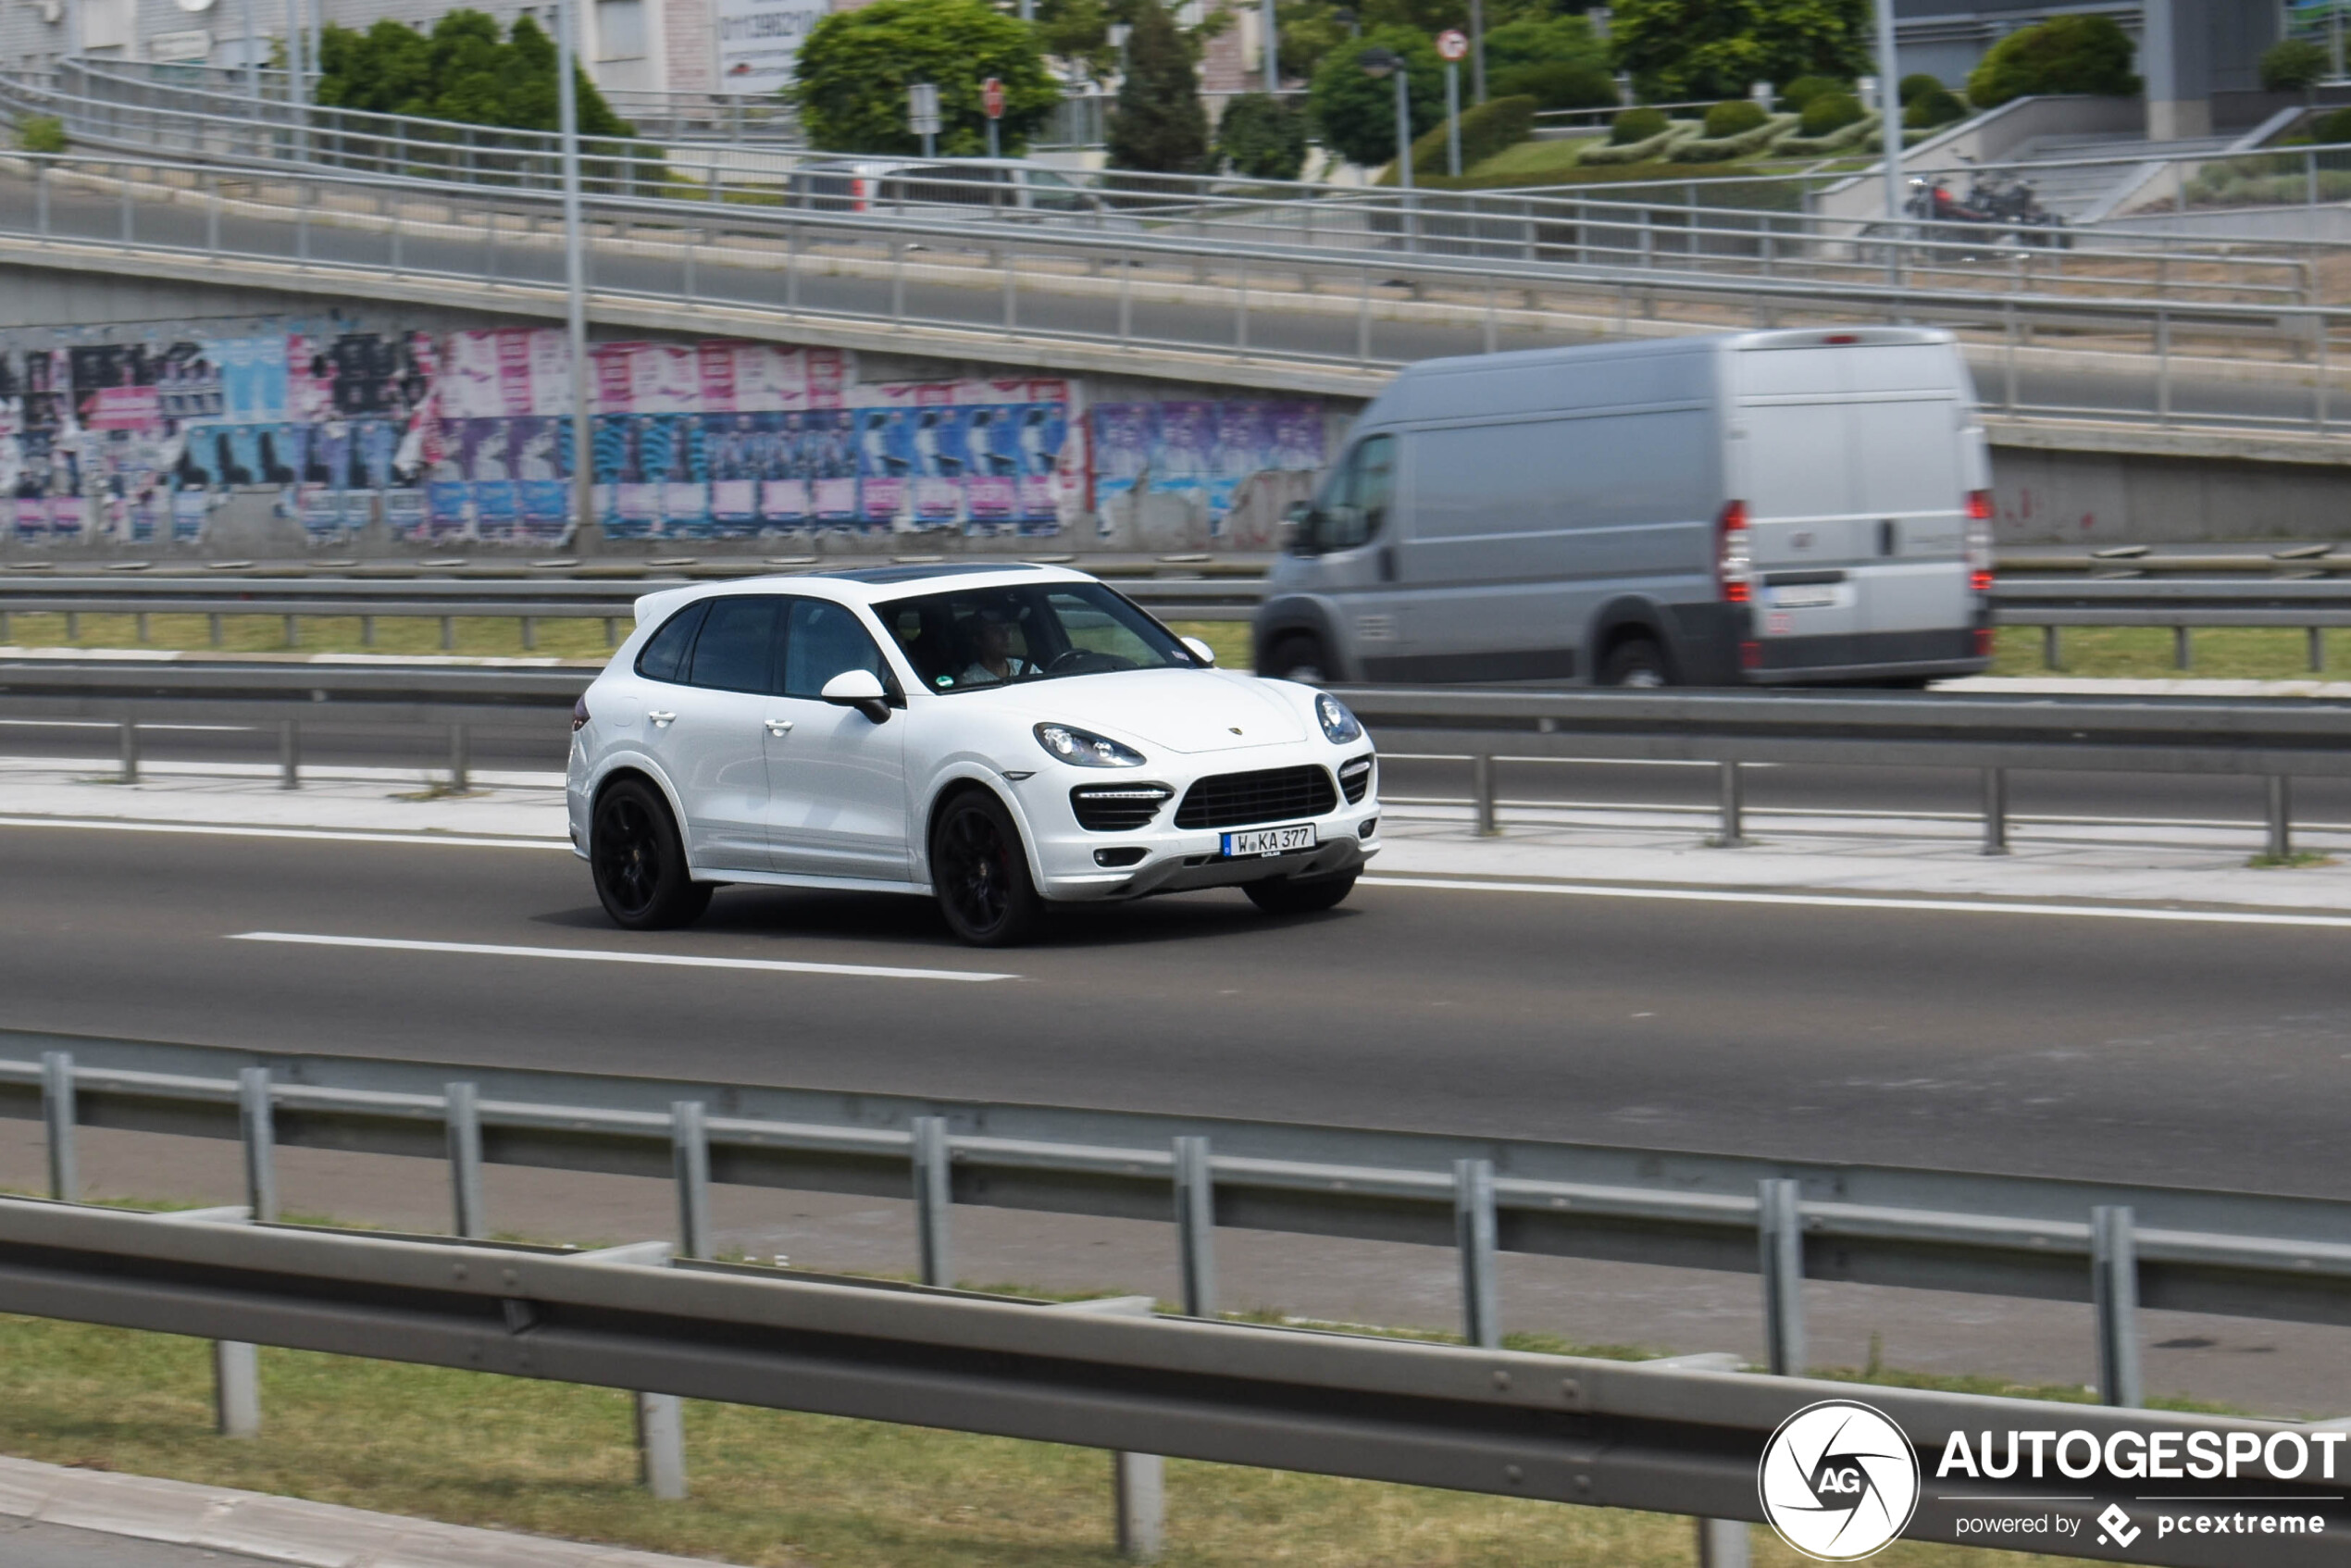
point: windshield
(995, 636)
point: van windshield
(980, 637)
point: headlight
(1083, 749)
(1338, 724)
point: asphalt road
(2201, 1054)
(73, 213)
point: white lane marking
(231, 831)
(1837, 901)
(607, 955)
(145, 726)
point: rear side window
(737, 649)
(663, 657)
(827, 639)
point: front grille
(1117, 808)
(1355, 777)
(1235, 799)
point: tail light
(1734, 557)
(1979, 539)
(580, 713)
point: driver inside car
(992, 655)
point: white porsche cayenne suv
(998, 737)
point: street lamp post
(1890, 100)
(1379, 63)
(574, 267)
(1273, 51)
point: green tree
(1357, 113)
(1159, 127)
(1682, 49)
(1077, 32)
(2296, 65)
(1542, 41)
(1262, 137)
(462, 71)
(1558, 84)
(855, 67)
(2062, 55)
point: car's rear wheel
(979, 869)
(1297, 657)
(639, 861)
(1294, 895)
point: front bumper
(1173, 859)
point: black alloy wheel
(980, 870)
(639, 861)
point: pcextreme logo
(1838, 1481)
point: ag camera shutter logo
(1838, 1481)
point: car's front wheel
(1293, 895)
(980, 870)
(639, 861)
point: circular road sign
(991, 98)
(1453, 44)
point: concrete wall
(2055, 496)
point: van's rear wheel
(1636, 662)
(1297, 657)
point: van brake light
(1733, 557)
(1979, 539)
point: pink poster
(123, 408)
(613, 390)
(551, 373)
(715, 365)
(664, 379)
(469, 389)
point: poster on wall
(759, 42)
(1200, 450)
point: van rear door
(1917, 453)
(1791, 463)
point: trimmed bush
(1262, 137)
(2062, 55)
(1917, 85)
(2295, 65)
(1721, 149)
(1929, 110)
(1637, 125)
(1863, 130)
(1558, 85)
(1733, 116)
(1832, 112)
(42, 133)
(1485, 129)
(1649, 148)
(2331, 129)
(1798, 95)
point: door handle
(1388, 563)
(779, 727)
(660, 720)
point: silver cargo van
(1760, 507)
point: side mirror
(1297, 525)
(859, 689)
(1202, 652)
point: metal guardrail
(2239, 1254)
(1564, 1429)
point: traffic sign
(1453, 44)
(922, 108)
(991, 98)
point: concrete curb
(276, 1529)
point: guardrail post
(1482, 793)
(2183, 652)
(130, 728)
(257, 1132)
(2053, 647)
(236, 1388)
(58, 1119)
(2114, 1287)
(367, 631)
(2317, 635)
(1474, 1238)
(2281, 816)
(1780, 1233)
(448, 633)
(462, 1120)
(529, 634)
(1139, 1492)
(611, 631)
(1734, 830)
(289, 754)
(294, 633)
(934, 1197)
(460, 757)
(1196, 1225)
(1722, 1543)
(690, 1159)
(215, 621)
(661, 1445)
(1995, 810)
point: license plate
(1268, 841)
(1803, 598)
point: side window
(663, 657)
(1358, 499)
(823, 641)
(737, 649)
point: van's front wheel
(1636, 661)
(1297, 657)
